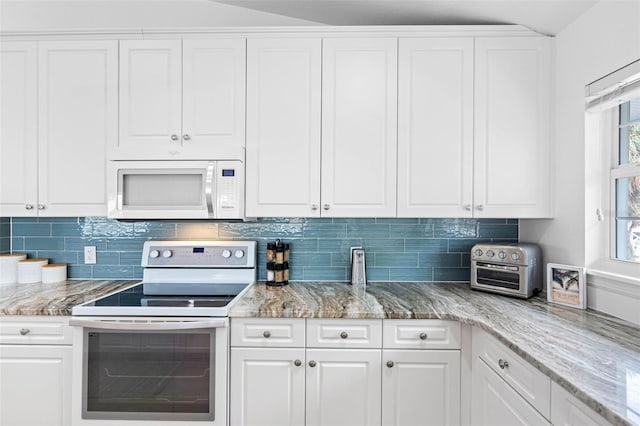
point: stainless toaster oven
(510, 269)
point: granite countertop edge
(402, 300)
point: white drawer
(35, 330)
(421, 334)
(267, 332)
(344, 333)
(533, 385)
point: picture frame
(566, 285)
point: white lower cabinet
(566, 410)
(35, 375)
(420, 387)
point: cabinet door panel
(567, 410)
(18, 129)
(267, 388)
(77, 119)
(283, 127)
(420, 387)
(359, 123)
(213, 98)
(344, 387)
(36, 385)
(150, 99)
(435, 129)
(512, 127)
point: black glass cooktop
(134, 296)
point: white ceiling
(545, 16)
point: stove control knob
(502, 255)
(515, 256)
(239, 254)
(167, 253)
(226, 253)
(154, 254)
(478, 252)
(490, 253)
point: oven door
(152, 371)
(497, 278)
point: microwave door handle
(208, 189)
(147, 326)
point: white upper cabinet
(359, 127)
(435, 127)
(18, 129)
(53, 145)
(283, 127)
(181, 99)
(512, 127)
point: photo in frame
(566, 285)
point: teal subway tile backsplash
(404, 249)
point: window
(625, 181)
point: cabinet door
(213, 99)
(36, 385)
(150, 100)
(435, 127)
(512, 110)
(77, 120)
(567, 410)
(495, 403)
(283, 127)
(359, 124)
(18, 129)
(420, 387)
(267, 387)
(343, 387)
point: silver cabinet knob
(29, 206)
(390, 364)
(314, 207)
(312, 364)
(297, 363)
(467, 207)
(24, 331)
(344, 335)
(423, 336)
(186, 137)
(266, 334)
(503, 363)
(40, 207)
(480, 207)
(174, 137)
(326, 207)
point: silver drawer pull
(312, 364)
(423, 336)
(344, 335)
(390, 364)
(503, 364)
(297, 363)
(266, 334)
(24, 331)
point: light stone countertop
(594, 356)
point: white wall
(602, 40)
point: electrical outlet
(90, 255)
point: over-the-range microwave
(175, 189)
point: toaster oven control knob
(515, 256)
(502, 255)
(167, 253)
(478, 252)
(490, 253)
(226, 253)
(154, 253)
(239, 254)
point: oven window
(143, 375)
(498, 278)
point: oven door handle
(147, 326)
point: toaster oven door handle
(147, 326)
(493, 267)
(208, 189)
